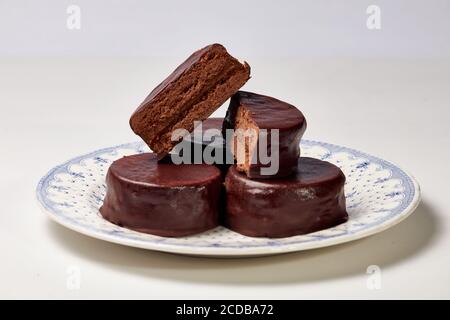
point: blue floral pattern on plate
(379, 195)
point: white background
(67, 92)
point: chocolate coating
(310, 200)
(270, 113)
(162, 199)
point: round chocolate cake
(250, 115)
(162, 199)
(309, 200)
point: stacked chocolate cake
(248, 175)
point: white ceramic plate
(379, 195)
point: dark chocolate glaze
(310, 200)
(270, 113)
(162, 199)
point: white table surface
(54, 109)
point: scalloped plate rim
(233, 252)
